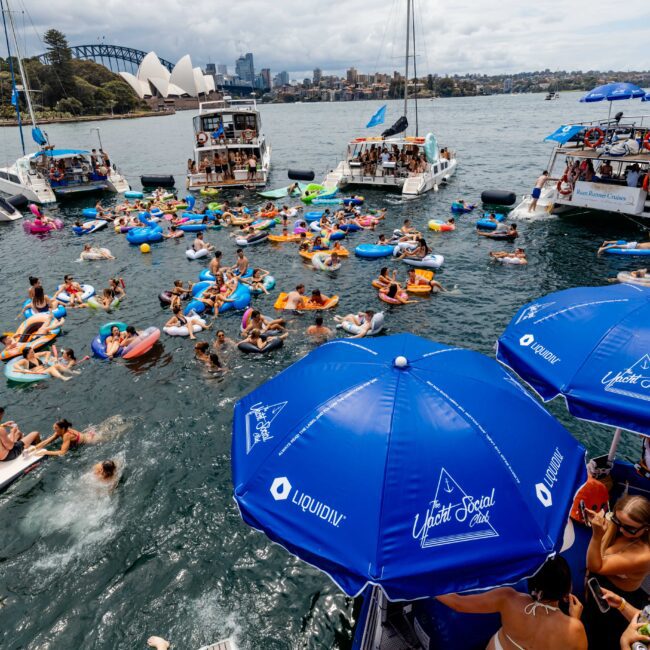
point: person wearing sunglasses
(619, 557)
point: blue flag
(378, 117)
(564, 133)
(14, 97)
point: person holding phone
(619, 558)
(535, 621)
(637, 619)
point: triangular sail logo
(633, 382)
(454, 516)
(258, 423)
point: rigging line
(383, 36)
(415, 73)
(13, 76)
(42, 42)
(423, 39)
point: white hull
(412, 185)
(37, 189)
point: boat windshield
(236, 126)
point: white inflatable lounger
(13, 469)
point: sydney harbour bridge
(127, 59)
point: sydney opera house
(153, 79)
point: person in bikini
(69, 438)
(535, 621)
(74, 291)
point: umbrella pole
(614, 446)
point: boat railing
(630, 122)
(238, 138)
(221, 104)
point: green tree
(446, 87)
(60, 59)
(69, 105)
(121, 95)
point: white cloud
(297, 35)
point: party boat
(600, 165)
(227, 133)
(413, 164)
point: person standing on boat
(619, 557)
(537, 190)
(535, 621)
(252, 167)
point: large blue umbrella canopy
(406, 463)
(590, 345)
(613, 91)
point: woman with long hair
(619, 558)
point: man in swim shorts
(318, 330)
(537, 190)
(629, 245)
(241, 265)
(296, 299)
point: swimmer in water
(106, 472)
(318, 330)
(69, 438)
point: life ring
(646, 182)
(202, 137)
(248, 134)
(646, 140)
(57, 175)
(564, 187)
(592, 144)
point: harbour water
(167, 553)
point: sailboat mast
(23, 76)
(408, 36)
(415, 76)
(14, 92)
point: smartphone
(597, 593)
(583, 513)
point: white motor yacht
(227, 136)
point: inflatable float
(319, 260)
(441, 226)
(250, 240)
(142, 344)
(430, 261)
(460, 207)
(191, 254)
(376, 325)
(95, 253)
(329, 303)
(89, 226)
(342, 252)
(628, 278)
(151, 233)
(637, 252)
(421, 288)
(183, 330)
(272, 343)
(241, 298)
(373, 251)
(487, 224)
(87, 290)
(28, 338)
(12, 374)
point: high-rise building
(266, 77)
(281, 79)
(244, 67)
(210, 68)
(351, 75)
(318, 75)
(507, 85)
(222, 69)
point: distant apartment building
(245, 68)
(281, 79)
(351, 75)
(317, 76)
(266, 77)
(222, 69)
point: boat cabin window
(243, 122)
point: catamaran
(411, 164)
(49, 174)
(601, 165)
(230, 149)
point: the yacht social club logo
(454, 516)
(633, 382)
(258, 423)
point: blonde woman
(619, 558)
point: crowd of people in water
(549, 616)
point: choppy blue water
(167, 553)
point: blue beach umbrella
(592, 346)
(405, 463)
(646, 98)
(613, 92)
